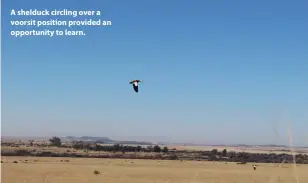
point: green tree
(165, 149)
(139, 148)
(224, 152)
(214, 152)
(156, 149)
(116, 147)
(55, 141)
(149, 149)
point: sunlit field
(82, 170)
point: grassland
(256, 149)
(80, 170)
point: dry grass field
(80, 170)
(265, 150)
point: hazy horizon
(150, 139)
(214, 72)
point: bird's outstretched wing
(135, 88)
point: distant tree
(214, 152)
(31, 142)
(98, 148)
(55, 141)
(139, 148)
(116, 147)
(224, 152)
(77, 145)
(156, 149)
(148, 149)
(86, 147)
(231, 154)
(165, 149)
(124, 149)
(212, 158)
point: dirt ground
(81, 170)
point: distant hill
(274, 145)
(133, 142)
(105, 140)
(90, 138)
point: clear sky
(214, 72)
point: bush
(96, 172)
(21, 152)
(156, 149)
(165, 150)
(172, 157)
(55, 141)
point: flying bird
(135, 84)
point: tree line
(213, 155)
(118, 148)
(157, 152)
(92, 146)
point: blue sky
(214, 72)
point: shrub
(96, 172)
